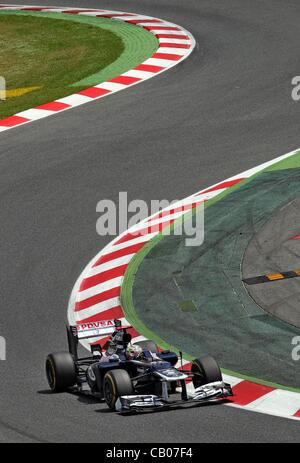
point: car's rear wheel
(60, 371)
(115, 384)
(147, 345)
(206, 370)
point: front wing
(212, 392)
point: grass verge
(60, 54)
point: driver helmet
(133, 352)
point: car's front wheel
(206, 370)
(115, 384)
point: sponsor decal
(96, 325)
(91, 374)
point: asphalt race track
(225, 109)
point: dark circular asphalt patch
(275, 250)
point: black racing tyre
(60, 371)
(206, 371)
(147, 345)
(116, 383)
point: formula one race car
(131, 377)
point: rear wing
(91, 330)
(96, 329)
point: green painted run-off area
(193, 298)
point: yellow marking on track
(15, 92)
(275, 276)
